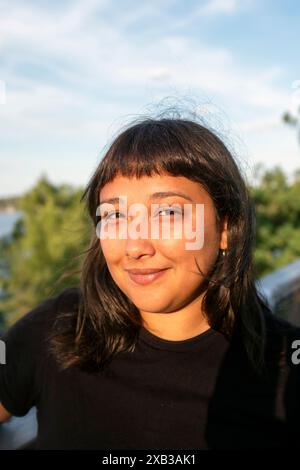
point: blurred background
(73, 72)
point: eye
(110, 216)
(169, 209)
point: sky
(73, 73)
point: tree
(293, 121)
(55, 230)
(46, 241)
(277, 204)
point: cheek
(206, 255)
(211, 239)
(182, 257)
(112, 250)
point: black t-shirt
(193, 394)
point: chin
(150, 307)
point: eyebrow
(152, 197)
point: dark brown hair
(106, 321)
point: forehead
(142, 188)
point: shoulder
(68, 299)
(26, 352)
(33, 327)
(278, 327)
(283, 338)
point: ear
(223, 234)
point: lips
(145, 276)
(145, 271)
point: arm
(21, 377)
(4, 415)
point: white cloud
(216, 7)
(87, 56)
(212, 9)
(91, 68)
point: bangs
(146, 149)
(151, 147)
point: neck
(177, 325)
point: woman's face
(180, 282)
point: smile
(144, 279)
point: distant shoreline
(9, 205)
(8, 210)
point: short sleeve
(21, 376)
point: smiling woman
(166, 344)
(176, 287)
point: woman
(166, 344)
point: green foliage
(293, 120)
(277, 203)
(55, 230)
(48, 239)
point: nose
(137, 242)
(139, 247)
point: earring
(223, 252)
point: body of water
(7, 221)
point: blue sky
(74, 72)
